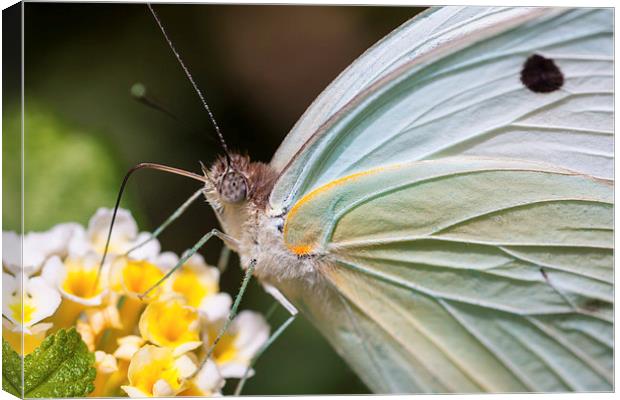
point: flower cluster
(144, 345)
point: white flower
(245, 336)
(105, 363)
(39, 301)
(198, 283)
(128, 346)
(154, 371)
(38, 246)
(124, 236)
(207, 382)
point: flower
(37, 247)
(134, 277)
(103, 317)
(13, 334)
(245, 336)
(171, 323)
(38, 301)
(207, 382)
(154, 371)
(128, 346)
(106, 367)
(198, 283)
(124, 236)
(77, 278)
(95, 320)
(80, 283)
(104, 362)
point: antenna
(159, 167)
(140, 93)
(191, 79)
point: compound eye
(233, 188)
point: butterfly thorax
(238, 191)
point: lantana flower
(131, 278)
(37, 247)
(128, 346)
(208, 382)
(198, 283)
(124, 237)
(79, 281)
(171, 323)
(245, 336)
(38, 301)
(26, 310)
(155, 371)
(106, 366)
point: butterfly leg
(175, 215)
(222, 262)
(263, 348)
(228, 240)
(231, 315)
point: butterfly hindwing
(444, 271)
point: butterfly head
(235, 180)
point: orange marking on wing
(305, 249)
(301, 250)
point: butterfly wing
(411, 40)
(463, 275)
(460, 92)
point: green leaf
(11, 370)
(61, 366)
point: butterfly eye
(233, 187)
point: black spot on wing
(541, 75)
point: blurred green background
(259, 66)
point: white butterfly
(443, 211)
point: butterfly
(443, 211)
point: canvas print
(204, 200)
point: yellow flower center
(169, 323)
(81, 281)
(158, 368)
(16, 309)
(139, 276)
(187, 283)
(225, 350)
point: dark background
(259, 67)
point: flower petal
(125, 230)
(215, 307)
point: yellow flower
(154, 371)
(171, 323)
(13, 334)
(24, 309)
(134, 277)
(80, 284)
(245, 336)
(198, 284)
